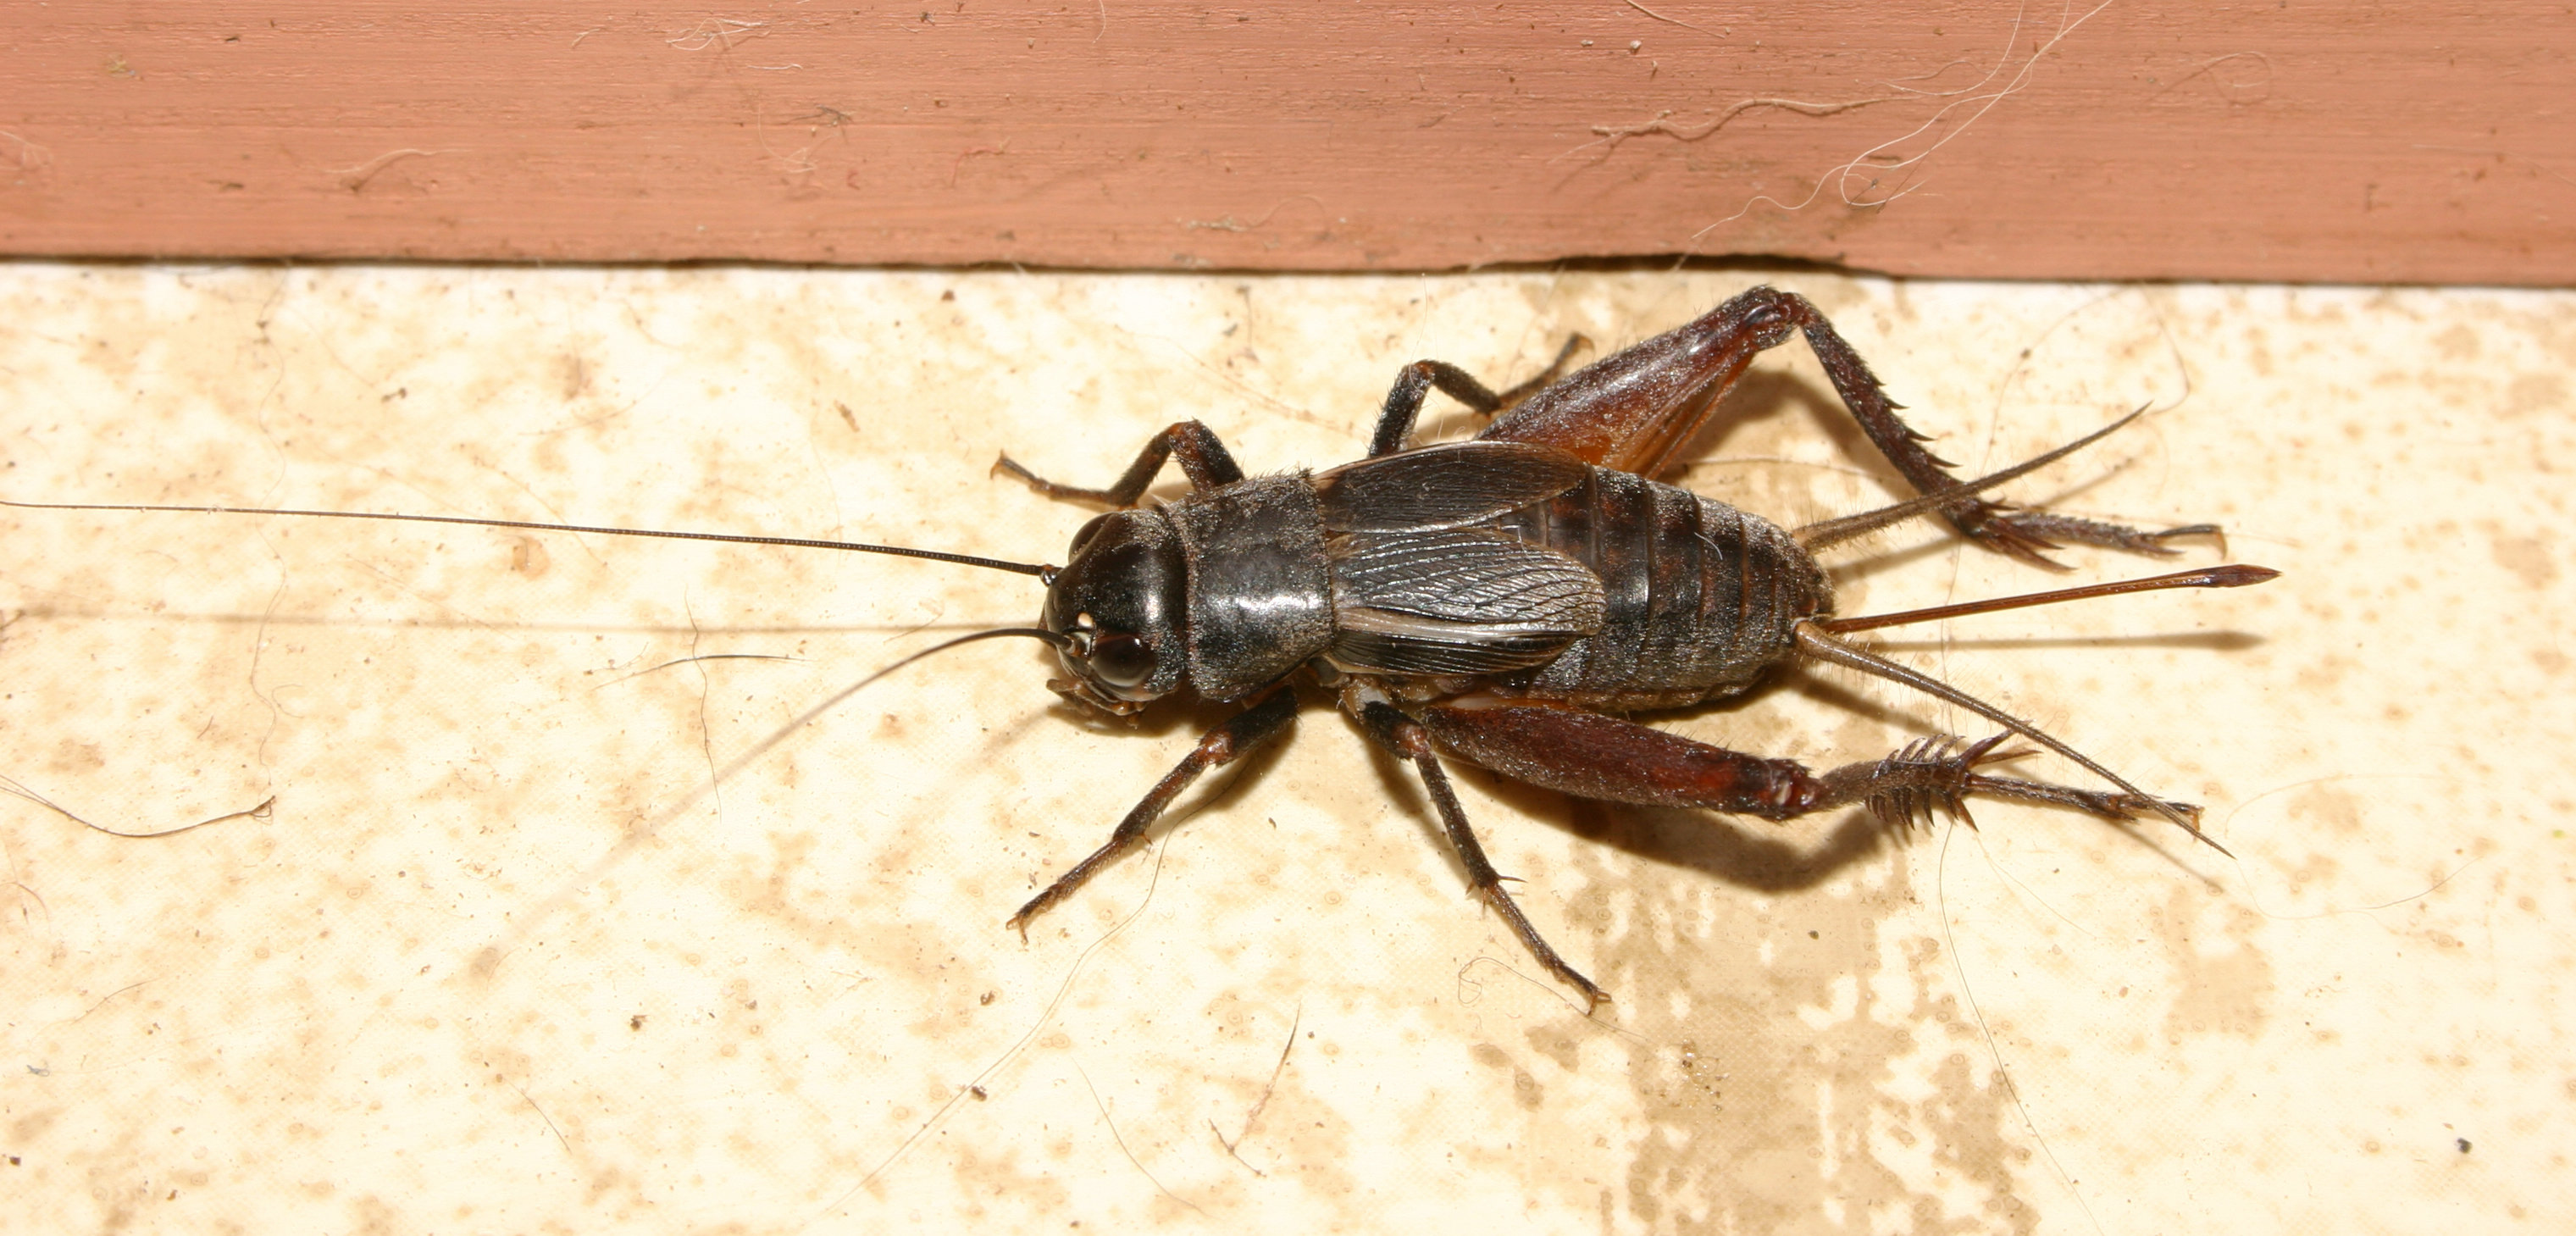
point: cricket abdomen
(1700, 597)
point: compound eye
(1121, 660)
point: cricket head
(1120, 603)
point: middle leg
(1204, 460)
(1407, 740)
(1404, 399)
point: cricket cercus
(1509, 600)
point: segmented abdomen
(1701, 596)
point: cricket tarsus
(2050, 530)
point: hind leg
(1617, 760)
(1635, 409)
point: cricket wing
(1456, 601)
(1447, 486)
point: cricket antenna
(1045, 574)
(1054, 639)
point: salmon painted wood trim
(2281, 140)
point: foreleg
(1218, 747)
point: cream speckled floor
(496, 959)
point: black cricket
(1509, 599)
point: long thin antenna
(2235, 575)
(525, 924)
(1017, 568)
(1826, 532)
(1824, 647)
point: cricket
(1516, 600)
